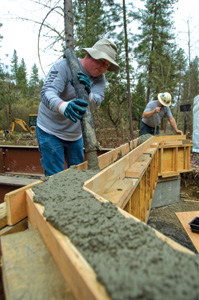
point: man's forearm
(148, 114)
(173, 123)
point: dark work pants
(145, 129)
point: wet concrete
(128, 258)
(143, 138)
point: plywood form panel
(185, 217)
(167, 160)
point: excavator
(30, 128)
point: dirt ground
(164, 219)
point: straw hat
(104, 49)
(165, 99)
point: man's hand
(75, 109)
(179, 132)
(84, 80)
(157, 109)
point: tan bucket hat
(165, 99)
(104, 49)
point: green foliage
(93, 19)
(18, 97)
(14, 65)
(35, 84)
(138, 100)
(21, 77)
(156, 47)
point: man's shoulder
(152, 103)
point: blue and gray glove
(73, 109)
(84, 80)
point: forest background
(150, 62)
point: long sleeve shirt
(57, 88)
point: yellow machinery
(32, 123)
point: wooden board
(29, 271)
(120, 192)
(16, 204)
(20, 226)
(75, 269)
(176, 137)
(185, 218)
(105, 179)
(3, 215)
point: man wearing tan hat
(154, 112)
(58, 123)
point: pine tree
(14, 65)
(35, 83)
(21, 77)
(34, 77)
(94, 19)
(139, 96)
(155, 44)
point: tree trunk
(68, 23)
(90, 142)
(127, 71)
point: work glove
(75, 109)
(84, 80)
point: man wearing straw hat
(154, 112)
(58, 123)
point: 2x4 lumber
(185, 217)
(29, 271)
(148, 196)
(169, 174)
(187, 158)
(120, 192)
(160, 138)
(176, 159)
(79, 275)
(3, 215)
(143, 198)
(172, 143)
(175, 146)
(20, 226)
(135, 202)
(127, 207)
(137, 169)
(16, 181)
(152, 177)
(16, 204)
(151, 151)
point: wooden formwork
(128, 175)
(130, 182)
(75, 269)
(128, 179)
